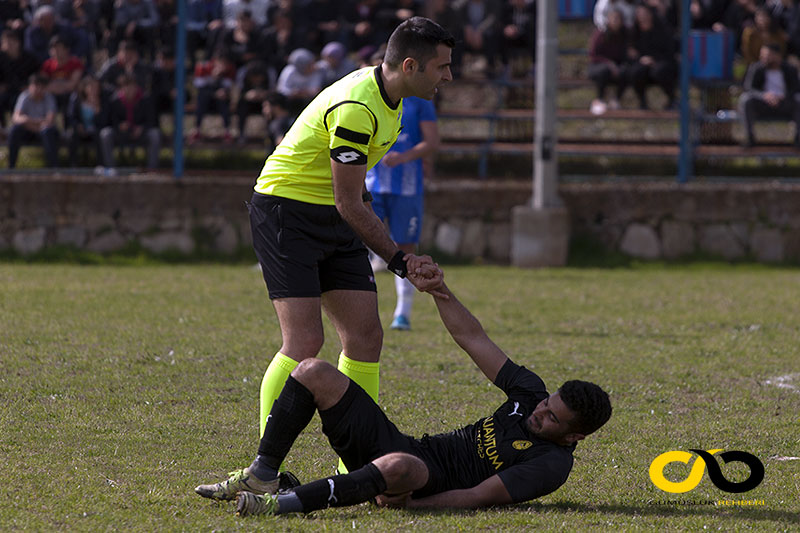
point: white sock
(405, 297)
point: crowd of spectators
(269, 58)
(636, 43)
(109, 65)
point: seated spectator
(279, 39)
(764, 31)
(137, 21)
(241, 41)
(125, 62)
(737, 16)
(279, 117)
(44, 27)
(167, 22)
(214, 80)
(203, 18)
(792, 18)
(162, 88)
(325, 23)
(608, 62)
(771, 90)
(481, 20)
(518, 36)
(444, 13)
(34, 121)
(666, 11)
(359, 26)
(603, 7)
(254, 88)
(16, 67)
(705, 13)
(652, 53)
(12, 15)
(391, 14)
(64, 71)
(257, 9)
(83, 16)
(299, 81)
(87, 115)
(132, 122)
(334, 63)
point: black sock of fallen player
(336, 491)
(290, 414)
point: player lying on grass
(523, 450)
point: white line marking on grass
(785, 382)
(779, 458)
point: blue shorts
(404, 214)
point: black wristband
(398, 265)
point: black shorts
(360, 432)
(306, 249)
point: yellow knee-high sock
(367, 375)
(272, 384)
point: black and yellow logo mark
(706, 458)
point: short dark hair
(277, 99)
(589, 402)
(13, 34)
(416, 38)
(56, 40)
(38, 78)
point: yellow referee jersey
(352, 122)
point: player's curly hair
(589, 402)
(417, 38)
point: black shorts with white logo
(306, 249)
(360, 432)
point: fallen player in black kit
(520, 452)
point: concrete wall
(463, 217)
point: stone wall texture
(464, 218)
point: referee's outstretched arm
(469, 334)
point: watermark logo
(706, 459)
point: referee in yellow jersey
(311, 219)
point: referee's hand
(425, 275)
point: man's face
(551, 421)
(769, 57)
(60, 52)
(36, 90)
(426, 82)
(10, 45)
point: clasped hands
(425, 275)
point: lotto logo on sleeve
(348, 156)
(706, 459)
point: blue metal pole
(685, 162)
(180, 83)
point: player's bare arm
(468, 333)
(489, 492)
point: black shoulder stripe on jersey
(348, 155)
(350, 135)
(374, 118)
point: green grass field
(123, 387)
